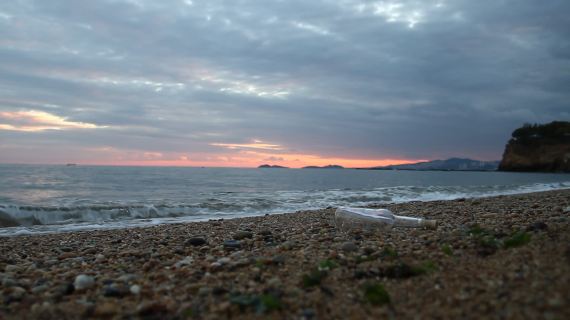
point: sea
(37, 199)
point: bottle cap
(429, 224)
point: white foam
(37, 220)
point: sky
(240, 83)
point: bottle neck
(410, 222)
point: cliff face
(540, 148)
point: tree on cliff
(556, 130)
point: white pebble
(135, 289)
(83, 281)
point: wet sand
(502, 257)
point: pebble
(274, 282)
(196, 241)
(152, 308)
(184, 262)
(9, 282)
(39, 289)
(135, 289)
(106, 309)
(127, 277)
(232, 244)
(64, 289)
(83, 281)
(11, 268)
(348, 247)
(115, 291)
(288, 245)
(240, 235)
(537, 226)
(18, 293)
(204, 291)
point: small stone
(9, 282)
(83, 281)
(135, 289)
(65, 289)
(288, 245)
(274, 282)
(537, 226)
(279, 259)
(184, 262)
(115, 292)
(11, 268)
(127, 277)
(232, 244)
(348, 247)
(240, 235)
(265, 232)
(219, 291)
(39, 289)
(204, 291)
(308, 314)
(99, 257)
(18, 293)
(106, 309)
(153, 308)
(224, 260)
(196, 241)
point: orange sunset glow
(238, 155)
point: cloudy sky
(290, 82)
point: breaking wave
(16, 219)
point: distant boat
(71, 165)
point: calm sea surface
(36, 199)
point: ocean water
(40, 199)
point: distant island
(330, 166)
(269, 166)
(452, 164)
(538, 148)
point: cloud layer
(288, 82)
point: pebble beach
(505, 257)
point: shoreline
(8, 222)
(500, 257)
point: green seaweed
(389, 252)
(517, 239)
(261, 303)
(326, 265)
(268, 302)
(447, 250)
(376, 294)
(426, 267)
(477, 230)
(313, 278)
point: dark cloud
(346, 79)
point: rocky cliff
(540, 148)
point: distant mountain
(452, 164)
(330, 166)
(268, 166)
